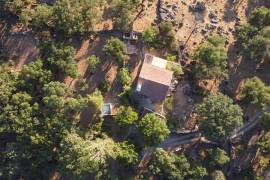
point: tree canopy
(255, 92)
(264, 143)
(218, 175)
(170, 166)
(153, 128)
(36, 114)
(160, 37)
(211, 59)
(254, 36)
(126, 116)
(59, 58)
(122, 11)
(265, 120)
(81, 157)
(67, 16)
(42, 16)
(93, 61)
(116, 49)
(125, 78)
(216, 157)
(75, 16)
(218, 116)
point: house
(154, 80)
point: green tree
(19, 8)
(8, 82)
(166, 35)
(153, 128)
(115, 48)
(254, 36)
(216, 157)
(218, 175)
(170, 166)
(60, 59)
(122, 14)
(126, 116)
(75, 16)
(150, 36)
(93, 61)
(34, 122)
(81, 157)
(264, 143)
(42, 16)
(127, 155)
(125, 78)
(211, 59)
(244, 32)
(54, 96)
(218, 116)
(161, 37)
(257, 47)
(265, 120)
(198, 173)
(95, 99)
(17, 116)
(260, 17)
(176, 68)
(256, 92)
(33, 76)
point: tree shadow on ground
(241, 68)
(21, 47)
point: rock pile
(168, 12)
(198, 7)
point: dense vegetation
(254, 36)
(171, 166)
(218, 116)
(48, 125)
(211, 60)
(256, 92)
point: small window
(139, 87)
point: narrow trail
(174, 142)
(171, 144)
(247, 126)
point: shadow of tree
(22, 47)
(252, 4)
(241, 69)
